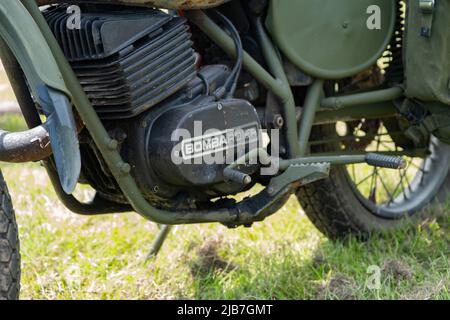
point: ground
(65, 256)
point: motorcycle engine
(142, 76)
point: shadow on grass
(413, 264)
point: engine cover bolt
(278, 121)
(113, 144)
(247, 180)
(125, 168)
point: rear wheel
(359, 199)
(9, 247)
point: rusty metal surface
(19, 147)
(168, 4)
(28, 146)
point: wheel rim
(394, 194)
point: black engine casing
(154, 165)
(151, 147)
(140, 72)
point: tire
(338, 211)
(9, 247)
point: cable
(229, 88)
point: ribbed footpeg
(383, 161)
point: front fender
(23, 37)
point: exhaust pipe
(26, 146)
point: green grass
(65, 256)
(12, 122)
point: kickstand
(159, 241)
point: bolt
(270, 190)
(278, 121)
(113, 144)
(125, 168)
(219, 106)
(247, 180)
(119, 135)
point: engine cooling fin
(126, 62)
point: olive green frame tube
(358, 112)
(221, 38)
(276, 67)
(312, 104)
(364, 98)
(278, 85)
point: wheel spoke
(364, 180)
(384, 188)
(407, 180)
(387, 147)
(389, 194)
(402, 174)
(383, 191)
(420, 168)
(373, 187)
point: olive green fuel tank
(332, 39)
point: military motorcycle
(172, 108)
